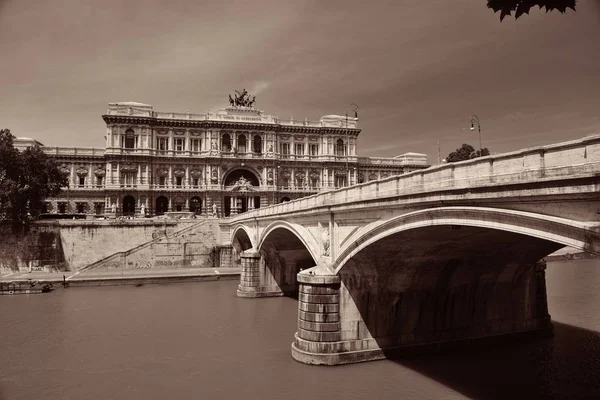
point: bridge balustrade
(578, 157)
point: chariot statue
(242, 99)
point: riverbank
(130, 277)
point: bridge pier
(255, 278)
(342, 320)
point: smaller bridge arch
(300, 233)
(244, 236)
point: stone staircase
(191, 246)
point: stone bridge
(436, 257)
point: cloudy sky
(417, 68)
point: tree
(520, 7)
(466, 152)
(27, 178)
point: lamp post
(354, 107)
(475, 120)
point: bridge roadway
(436, 257)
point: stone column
(170, 183)
(233, 205)
(319, 333)
(250, 274)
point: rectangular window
(162, 180)
(128, 178)
(81, 181)
(314, 150)
(162, 144)
(299, 149)
(179, 144)
(285, 150)
(340, 181)
(196, 181)
(99, 181)
(196, 145)
(179, 180)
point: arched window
(129, 139)
(226, 143)
(257, 146)
(241, 147)
(340, 148)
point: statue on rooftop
(242, 99)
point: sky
(418, 69)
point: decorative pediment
(129, 168)
(286, 174)
(299, 137)
(99, 171)
(179, 132)
(299, 175)
(372, 177)
(65, 168)
(162, 172)
(179, 172)
(194, 133)
(284, 137)
(340, 172)
(162, 131)
(82, 170)
(313, 138)
(314, 175)
(196, 173)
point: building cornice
(238, 125)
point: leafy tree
(466, 152)
(27, 178)
(520, 7)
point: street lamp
(354, 107)
(475, 120)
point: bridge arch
(285, 250)
(557, 230)
(241, 238)
(447, 272)
(299, 232)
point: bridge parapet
(577, 158)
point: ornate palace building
(222, 162)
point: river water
(198, 340)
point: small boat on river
(25, 287)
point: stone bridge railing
(571, 159)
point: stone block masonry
(75, 245)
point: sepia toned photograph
(299, 199)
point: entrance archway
(196, 205)
(162, 205)
(129, 205)
(234, 176)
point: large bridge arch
(449, 273)
(563, 232)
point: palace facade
(222, 162)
